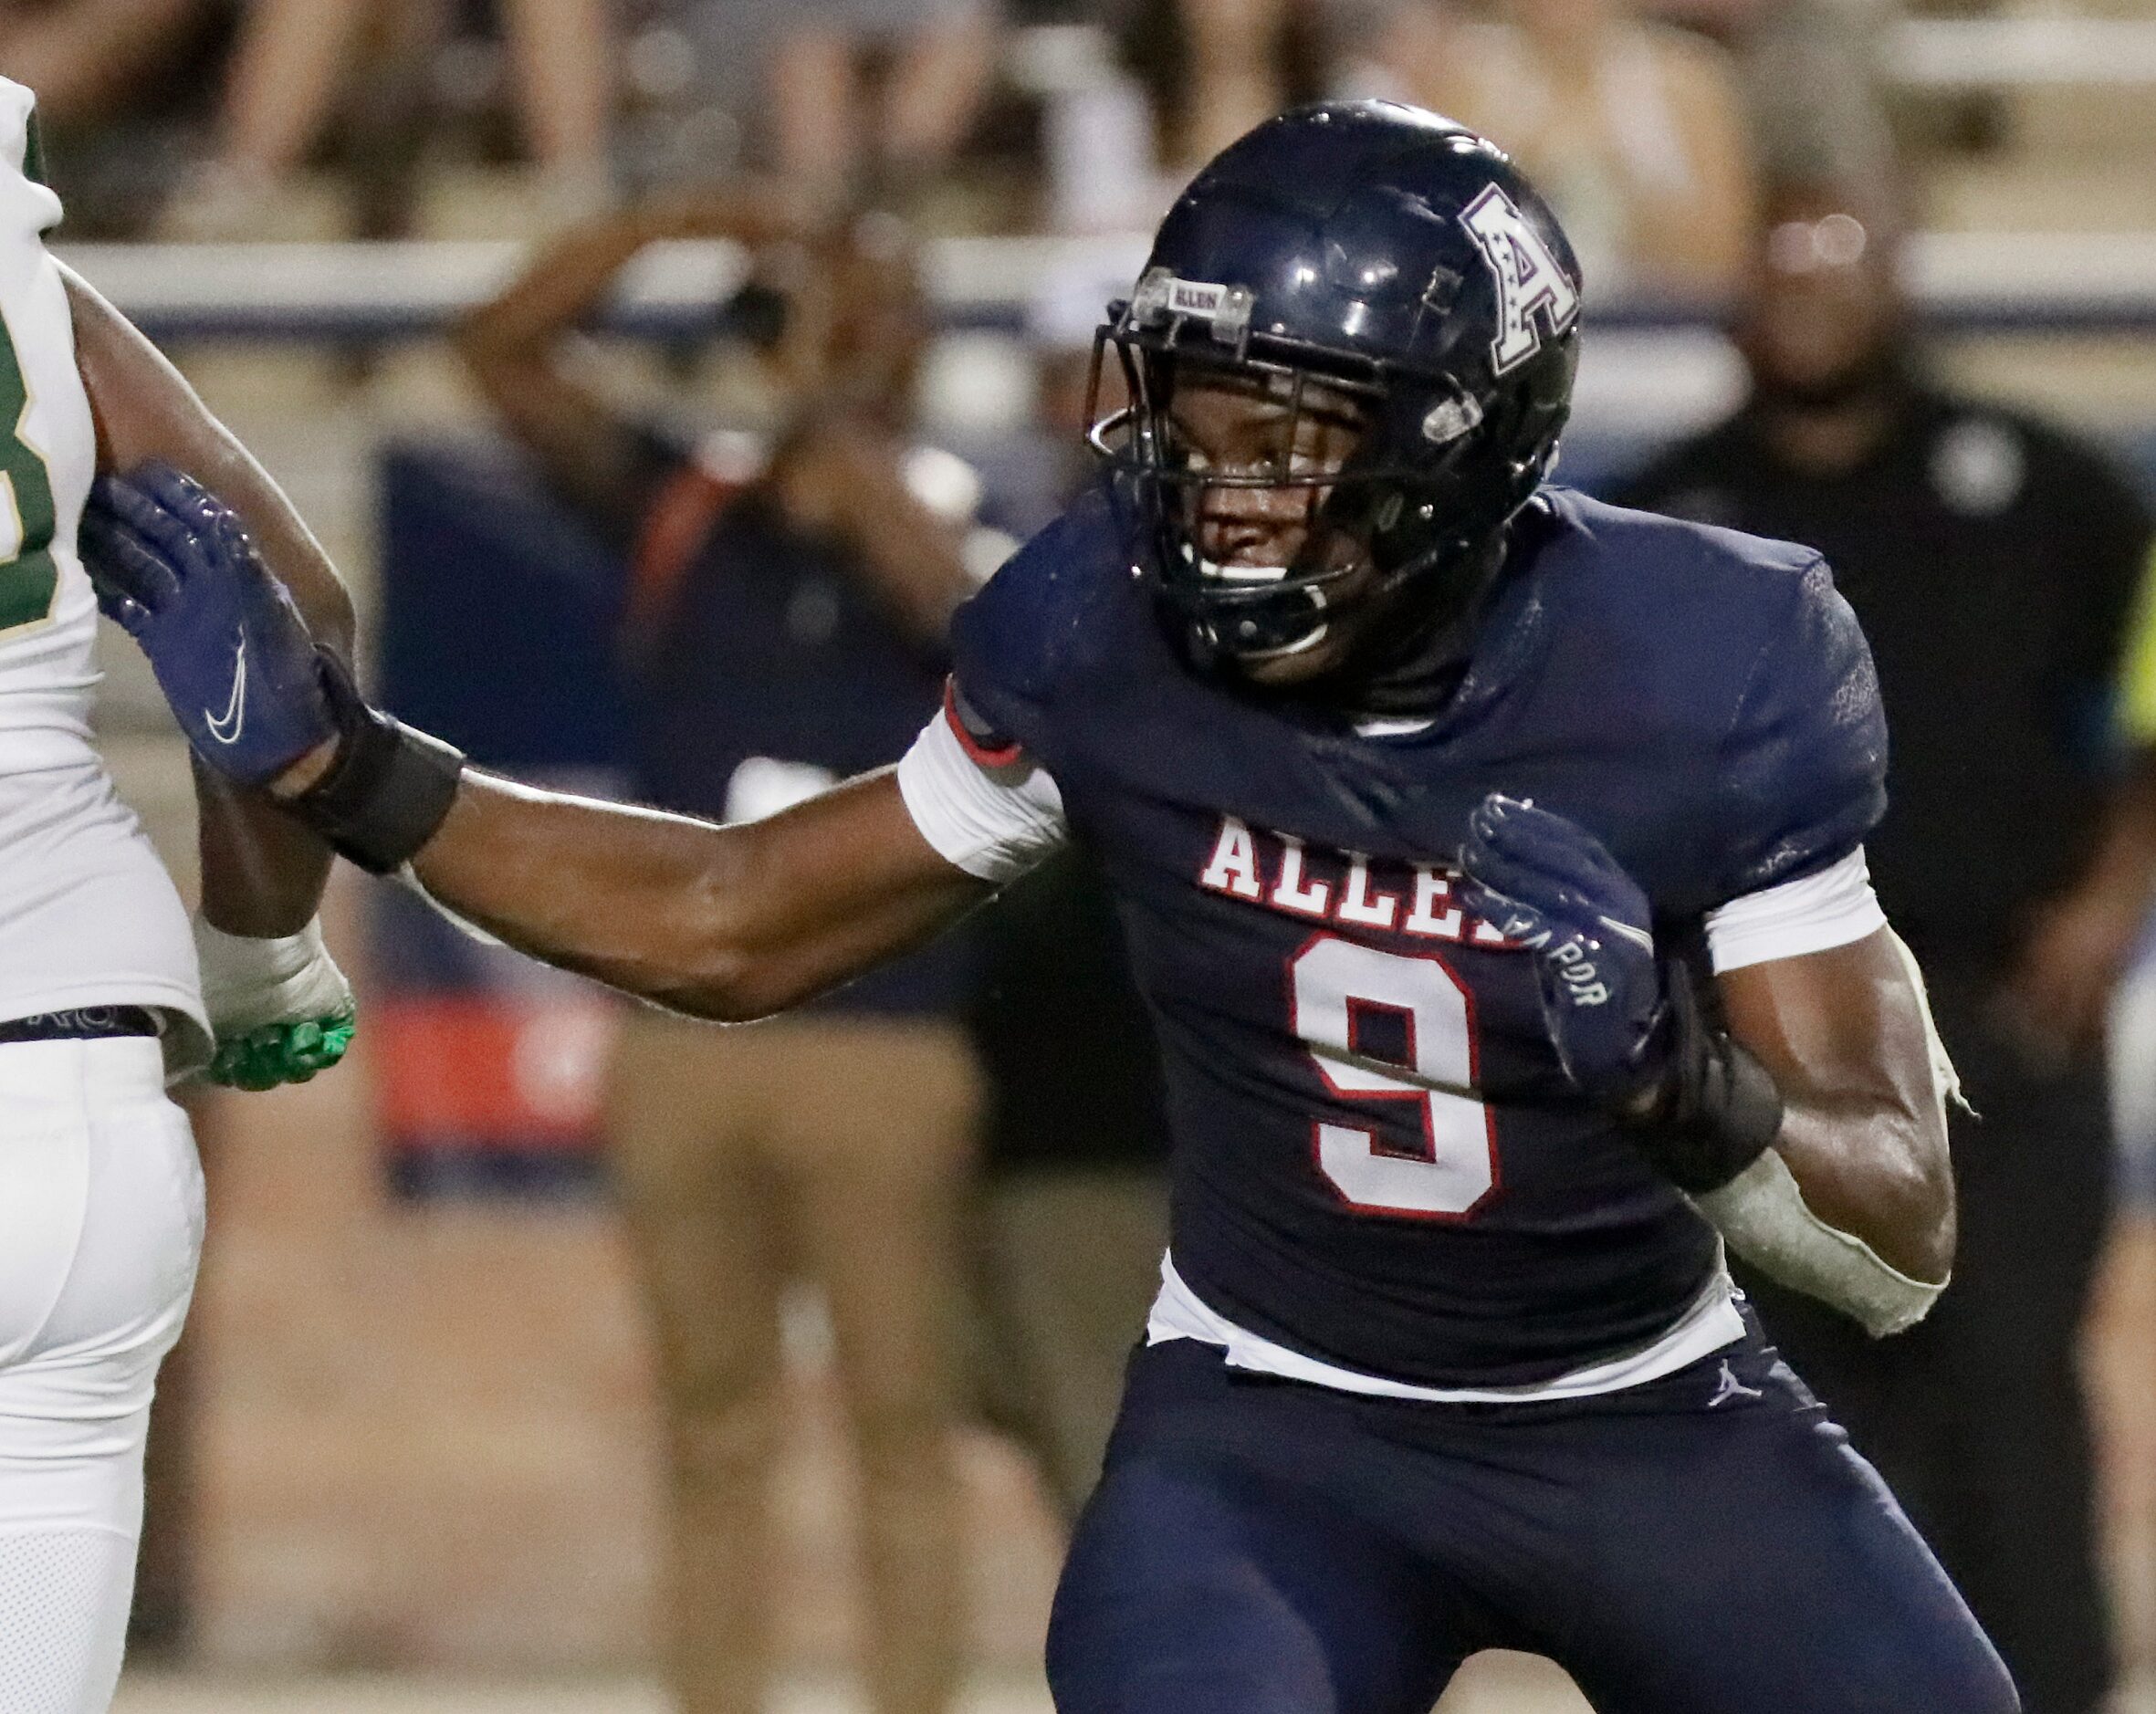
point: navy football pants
(1704, 1544)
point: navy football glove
(1547, 881)
(251, 689)
(173, 566)
(1629, 1028)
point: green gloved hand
(281, 1009)
(283, 1053)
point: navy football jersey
(1376, 1159)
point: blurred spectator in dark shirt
(787, 612)
(1994, 561)
(1634, 130)
(1073, 1210)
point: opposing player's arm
(1845, 1036)
(281, 1008)
(723, 921)
(728, 922)
(262, 873)
(146, 410)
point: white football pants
(101, 1225)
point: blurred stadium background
(410, 1459)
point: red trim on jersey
(987, 756)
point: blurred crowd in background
(1649, 125)
(963, 1160)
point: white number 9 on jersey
(1453, 1166)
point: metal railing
(1976, 282)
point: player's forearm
(1853, 1203)
(262, 873)
(728, 923)
(145, 411)
(1879, 1171)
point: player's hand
(1547, 881)
(280, 1009)
(172, 565)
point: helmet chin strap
(1294, 632)
(1414, 666)
(1410, 662)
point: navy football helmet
(1386, 253)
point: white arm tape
(1761, 1214)
(994, 824)
(247, 983)
(1813, 913)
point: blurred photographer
(1994, 563)
(787, 611)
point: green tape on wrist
(283, 1053)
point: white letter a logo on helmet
(1531, 282)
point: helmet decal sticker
(1161, 297)
(1531, 283)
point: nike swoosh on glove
(1548, 882)
(173, 566)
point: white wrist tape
(1761, 1214)
(248, 983)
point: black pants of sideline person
(1976, 1416)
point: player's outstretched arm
(722, 922)
(728, 922)
(281, 1009)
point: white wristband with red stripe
(994, 816)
